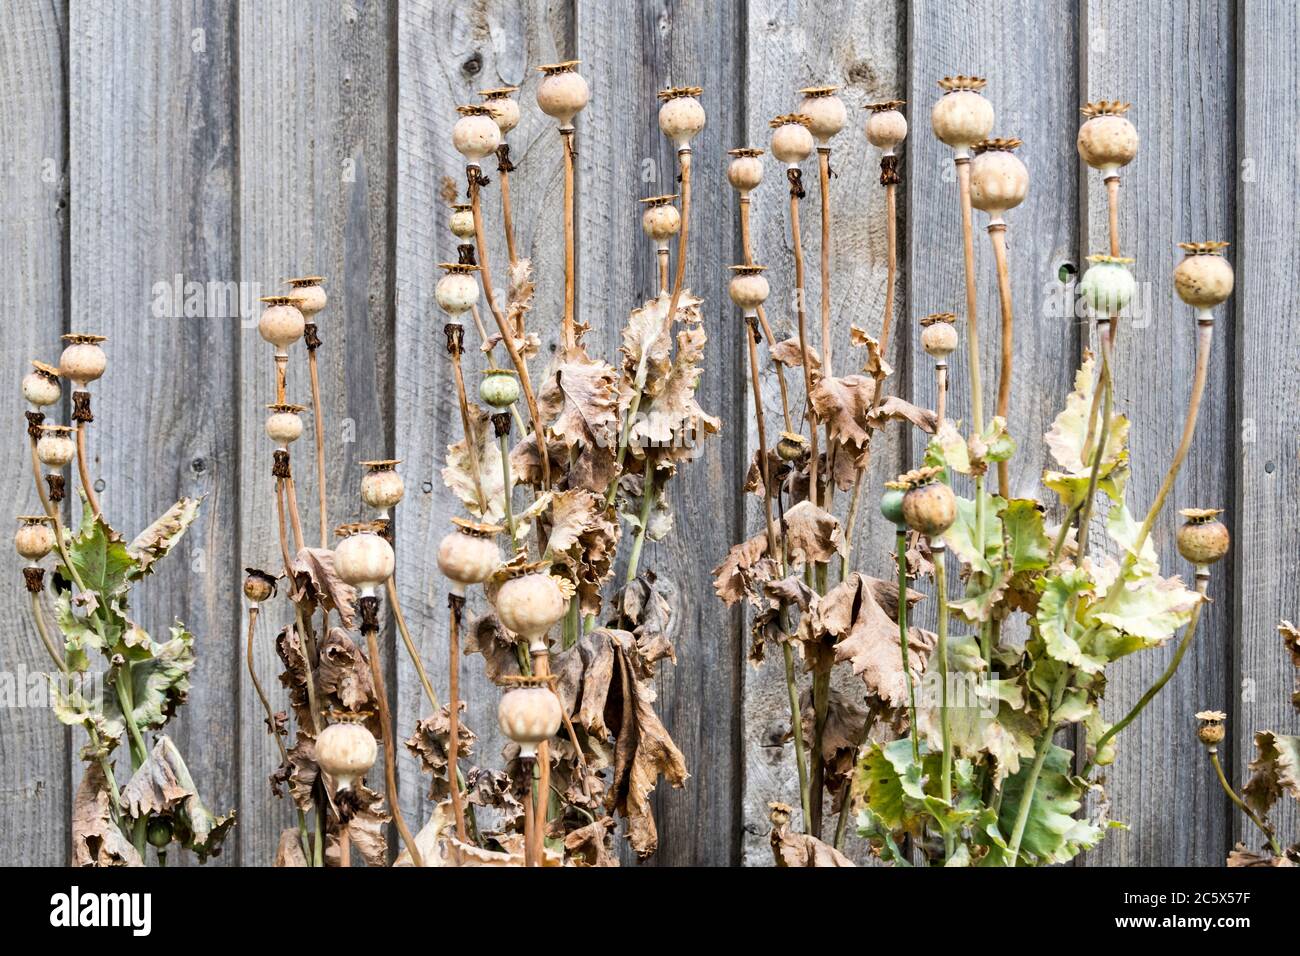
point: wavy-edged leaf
(156, 541)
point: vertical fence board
(446, 53)
(1268, 341)
(152, 145)
(315, 195)
(787, 50)
(1180, 187)
(34, 795)
(624, 157)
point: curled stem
(1241, 805)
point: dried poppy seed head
(34, 538)
(998, 179)
(1107, 140)
(41, 385)
(381, 486)
(82, 361)
(681, 117)
(282, 323)
(476, 134)
(528, 600)
(563, 92)
(308, 295)
(886, 127)
(791, 446)
(660, 220)
(792, 141)
(283, 425)
(745, 171)
(825, 111)
(748, 287)
(929, 506)
(1204, 278)
(468, 554)
(503, 106)
(457, 291)
(1211, 731)
(962, 116)
(938, 334)
(55, 448)
(346, 751)
(462, 221)
(258, 585)
(1202, 540)
(529, 713)
(363, 558)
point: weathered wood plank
(315, 115)
(1180, 187)
(630, 51)
(786, 49)
(152, 147)
(446, 54)
(1267, 479)
(34, 794)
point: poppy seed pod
(1204, 278)
(308, 295)
(529, 601)
(886, 126)
(1107, 140)
(41, 385)
(381, 486)
(529, 713)
(1211, 730)
(891, 504)
(998, 179)
(745, 171)
(55, 448)
(1108, 285)
(939, 334)
(1202, 539)
(791, 446)
(457, 291)
(363, 559)
(748, 287)
(928, 504)
(82, 361)
(563, 92)
(462, 221)
(792, 142)
(962, 116)
(283, 426)
(34, 538)
(346, 751)
(499, 388)
(476, 134)
(503, 107)
(681, 117)
(258, 585)
(660, 220)
(468, 554)
(825, 111)
(282, 323)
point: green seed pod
(160, 833)
(1108, 285)
(891, 504)
(499, 388)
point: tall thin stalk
(938, 552)
(998, 237)
(900, 547)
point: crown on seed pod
(1211, 731)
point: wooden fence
(148, 146)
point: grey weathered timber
(1179, 188)
(626, 157)
(34, 798)
(1262, 440)
(315, 197)
(445, 56)
(152, 141)
(863, 54)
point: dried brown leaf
(431, 743)
(591, 845)
(459, 473)
(96, 839)
(800, 849)
(788, 353)
(315, 582)
(731, 576)
(580, 404)
(811, 534)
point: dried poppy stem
(824, 176)
(291, 493)
(801, 312)
(747, 246)
(891, 246)
(683, 238)
(568, 331)
(40, 485)
(504, 168)
(998, 237)
(455, 604)
(84, 471)
(530, 812)
(1241, 805)
(939, 553)
(507, 338)
(972, 323)
(455, 346)
(318, 428)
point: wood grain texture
(34, 795)
(152, 146)
(445, 54)
(625, 158)
(863, 53)
(315, 197)
(1264, 445)
(1179, 188)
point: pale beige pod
(469, 555)
(363, 559)
(283, 426)
(34, 538)
(476, 135)
(346, 751)
(82, 361)
(381, 486)
(308, 295)
(1107, 140)
(528, 600)
(529, 713)
(282, 323)
(504, 108)
(661, 220)
(41, 385)
(825, 111)
(962, 116)
(745, 171)
(462, 221)
(55, 448)
(939, 335)
(457, 291)
(748, 287)
(886, 126)
(998, 179)
(563, 92)
(1204, 278)
(792, 142)
(681, 117)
